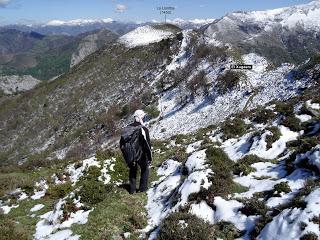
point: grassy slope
(50, 56)
(58, 106)
(120, 212)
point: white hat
(139, 115)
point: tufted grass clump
(282, 187)
(292, 123)
(59, 190)
(243, 166)
(233, 128)
(93, 191)
(226, 230)
(181, 226)
(253, 206)
(275, 136)
(10, 229)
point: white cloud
(119, 7)
(4, 3)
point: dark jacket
(144, 142)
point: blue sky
(41, 11)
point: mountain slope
(34, 54)
(76, 102)
(282, 35)
(189, 80)
(236, 152)
(45, 57)
(92, 43)
(255, 176)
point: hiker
(136, 149)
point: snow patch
(53, 226)
(203, 211)
(7, 209)
(37, 208)
(315, 106)
(287, 225)
(143, 36)
(76, 173)
(303, 117)
(42, 187)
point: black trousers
(144, 166)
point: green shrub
(276, 134)
(233, 128)
(316, 220)
(207, 142)
(92, 173)
(152, 111)
(201, 132)
(289, 162)
(253, 206)
(238, 188)
(104, 154)
(125, 110)
(9, 229)
(180, 154)
(59, 190)
(158, 144)
(309, 236)
(263, 115)
(222, 179)
(292, 123)
(303, 144)
(182, 226)
(259, 225)
(244, 165)
(68, 208)
(282, 187)
(11, 182)
(198, 84)
(35, 161)
(227, 81)
(299, 200)
(305, 110)
(222, 185)
(93, 191)
(218, 159)
(179, 138)
(201, 51)
(285, 108)
(315, 59)
(138, 220)
(226, 230)
(121, 170)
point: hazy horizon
(43, 11)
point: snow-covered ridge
(76, 22)
(144, 35)
(306, 16)
(182, 22)
(273, 84)
(82, 22)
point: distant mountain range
(48, 50)
(78, 26)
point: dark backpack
(130, 144)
